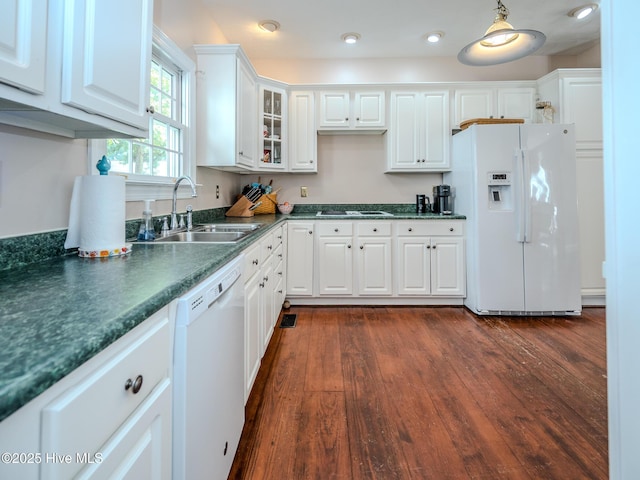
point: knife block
(241, 208)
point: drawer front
(430, 228)
(267, 245)
(374, 229)
(83, 418)
(277, 256)
(334, 229)
(252, 261)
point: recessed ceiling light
(350, 38)
(584, 11)
(269, 25)
(433, 37)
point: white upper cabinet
(227, 111)
(75, 68)
(576, 97)
(23, 44)
(272, 105)
(516, 101)
(343, 110)
(107, 58)
(418, 136)
(302, 139)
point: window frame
(143, 187)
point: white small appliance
(516, 184)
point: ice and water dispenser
(499, 189)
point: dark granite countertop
(56, 314)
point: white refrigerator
(516, 184)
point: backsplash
(27, 249)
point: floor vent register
(288, 320)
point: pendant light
(501, 43)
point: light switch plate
(303, 191)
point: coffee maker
(442, 203)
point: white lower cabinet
(379, 260)
(300, 258)
(374, 258)
(252, 317)
(430, 258)
(335, 258)
(116, 421)
(264, 293)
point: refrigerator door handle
(518, 186)
(526, 195)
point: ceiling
(393, 28)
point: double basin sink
(211, 233)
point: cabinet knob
(428, 246)
(336, 230)
(310, 232)
(375, 229)
(269, 247)
(134, 385)
(266, 278)
(240, 152)
(348, 246)
(361, 247)
(346, 119)
(261, 285)
(280, 292)
(151, 110)
(434, 247)
(255, 262)
(410, 229)
(357, 119)
(451, 229)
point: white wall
(621, 103)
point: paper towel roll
(97, 216)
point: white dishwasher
(208, 400)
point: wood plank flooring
(428, 393)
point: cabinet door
(335, 266)
(368, 110)
(23, 44)
(334, 110)
(267, 285)
(435, 129)
(413, 266)
(272, 105)
(404, 137)
(300, 258)
(106, 71)
(582, 105)
(252, 342)
(246, 120)
(473, 103)
(447, 266)
(302, 132)
(374, 266)
(517, 103)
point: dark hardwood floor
(428, 393)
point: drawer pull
(134, 386)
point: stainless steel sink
(212, 233)
(203, 237)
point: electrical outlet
(303, 191)
(217, 191)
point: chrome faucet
(174, 215)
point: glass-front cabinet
(273, 108)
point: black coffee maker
(442, 200)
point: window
(152, 164)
